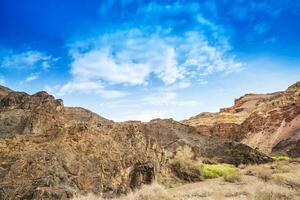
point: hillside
(49, 151)
(269, 122)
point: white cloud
(127, 59)
(24, 60)
(32, 78)
(100, 64)
(167, 99)
(131, 57)
(86, 87)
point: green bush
(281, 158)
(216, 170)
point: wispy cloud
(167, 99)
(32, 77)
(248, 10)
(24, 60)
(261, 28)
(84, 87)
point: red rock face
(266, 120)
(227, 130)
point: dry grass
(233, 177)
(264, 174)
(272, 196)
(147, 192)
(280, 186)
(295, 160)
(288, 179)
(88, 197)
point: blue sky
(146, 59)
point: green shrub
(281, 158)
(216, 170)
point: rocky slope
(269, 122)
(49, 151)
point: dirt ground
(273, 181)
(250, 187)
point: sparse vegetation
(263, 173)
(183, 154)
(147, 192)
(150, 192)
(233, 177)
(216, 170)
(289, 179)
(280, 186)
(272, 196)
(184, 166)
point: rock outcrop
(269, 122)
(49, 151)
(4, 91)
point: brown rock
(259, 120)
(48, 151)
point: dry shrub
(262, 172)
(147, 192)
(242, 166)
(295, 160)
(271, 195)
(281, 167)
(184, 167)
(288, 179)
(233, 177)
(88, 197)
(187, 171)
(183, 154)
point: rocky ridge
(269, 122)
(49, 151)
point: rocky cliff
(270, 122)
(49, 151)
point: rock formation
(269, 122)
(49, 151)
